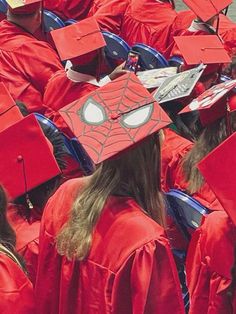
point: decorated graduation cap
(178, 86)
(24, 6)
(218, 168)
(27, 159)
(114, 117)
(206, 9)
(78, 39)
(9, 112)
(214, 103)
(207, 49)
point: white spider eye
(137, 117)
(93, 113)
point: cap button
(19, 158)
(114, 116)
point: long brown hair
(135, 173)
(210, 138)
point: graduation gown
(16, 291)
(27, 236)
(209, 262)
(69, 9)
(130, 268)
(173, 149)
(148, 22)
(109, 14)
(205, 195)
(26, 65)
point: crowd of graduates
(88, 155)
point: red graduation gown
(209, 262)
(109, 14)
(173, 149)
(69, 91)
(69, 9)
(130, 268)
(26, 65)
(205, 195)
(27, 237)
(16, 291)
(148, 22)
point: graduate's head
(208, 50)
(207, 10)
(219, 120)
(118, 125)
(81, 43)
(27, 14)
(33, 161)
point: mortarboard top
(206, 9)
(27, 159)
(78, 39)
(218, 169)
(24, 6)
(114, 117)
(207, 49)
(213, 103)
(178, 86)
(9, 112)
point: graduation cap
(213, 103)
(206, 9)
(207, 49)
(9, 112)
(78, 39)
(218, 169)
(114, 117)
(24, 6)
(179, 85)
(27, 159)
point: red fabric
(26, 65)
(205, 195)
(69, 9)
(16, 291)
(109, 14)
(148, 22)
(69, 92)
(27, 236)
(209, 262)
(173, 149)
(122, 274)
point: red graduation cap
(9, 112)
(78, 39)
(214, 102)
(114, 117)
(27, 158)
(207, 49)
(24, 6)
(206, 9)
(218, 168)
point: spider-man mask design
(114, 117)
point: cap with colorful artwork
(114, 117)
(214, 103)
